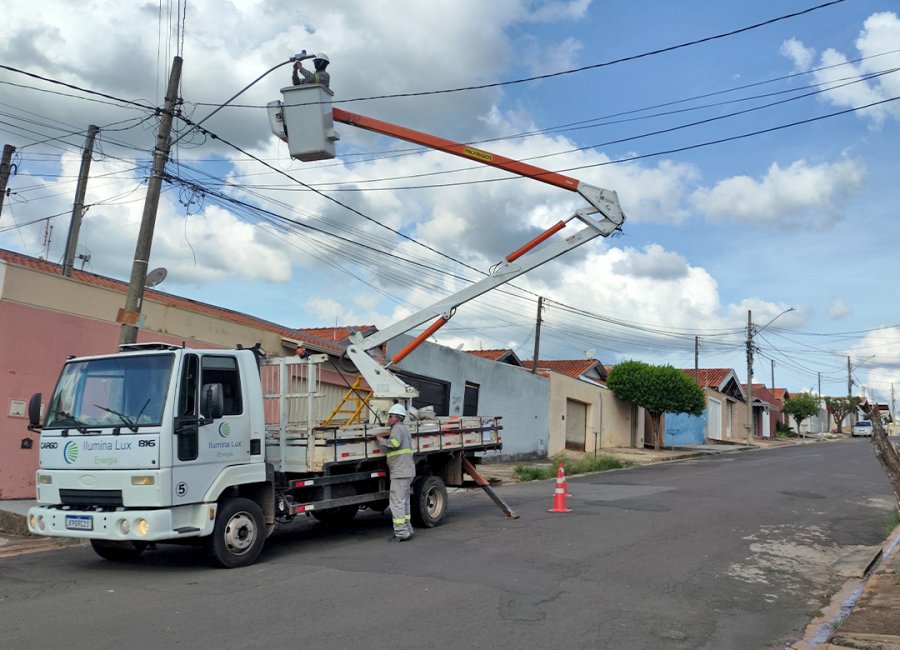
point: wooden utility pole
(78, 207)
(537, 336)
(130, 316)
(8, 151)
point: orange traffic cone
(561, 474)
(560, 493)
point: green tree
(801, 407)
(841, 407)
(658, 389)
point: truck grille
(82, 498)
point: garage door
(576, 424)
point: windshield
(114, 392)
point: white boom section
(385, 384)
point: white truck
(157, 443)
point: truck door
(204, 445)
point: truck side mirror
(212, 401)
(34, 412)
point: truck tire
(239, 534)
(429, 501)
(118, 551)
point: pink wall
(34, 343)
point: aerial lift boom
(602, 217)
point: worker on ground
(320, 62)
(402, 469)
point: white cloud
(797, 194)
(877, 48)
(838, 309)
(654, 263)
(801, 55)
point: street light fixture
(750, 333)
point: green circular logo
(70, 452)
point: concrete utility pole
(773, 375)
(849, 380)
(78, 207)
(749, 378)
(130, 316)
(8, 151)
(697, 359)
(537, 336)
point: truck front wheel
(118, 551)
(428, 502)
(239, 534)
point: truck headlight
(45, 479)
(142, 527)
(124, 526)
(32, 522)
(143, 480)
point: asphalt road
(733, 551)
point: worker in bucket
(402, 468)
(320, 62)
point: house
(724, 418)
(584, 415)
(767, 411)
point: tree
(658, 389)
(885, 451)
(801, 407)
(841, 407)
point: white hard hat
(397, 409)
(321, 56)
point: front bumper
(156, 525)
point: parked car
(862, 428)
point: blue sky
(802, 216)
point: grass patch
(894, 520)
(571, 466)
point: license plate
(79, 522)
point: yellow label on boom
(475, 153)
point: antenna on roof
(155, 277)
(589, 354)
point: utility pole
(749, 378)
(773, 375)
(697, 359)
(8, 151)
(819, 401)
(130, 316)
(537, 336)
(78, 207)
(849, 380)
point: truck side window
(224, 370)
(188, 434)
(187, 399)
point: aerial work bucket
(304, 121)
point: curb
(12, 523)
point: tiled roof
(762, 394)
(571, 367)
(493, 355)
(337, 334)
(170, 300)
(708, 377)
(781, 394)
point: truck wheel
(118, 551)
(429, 501)
(239, 534)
